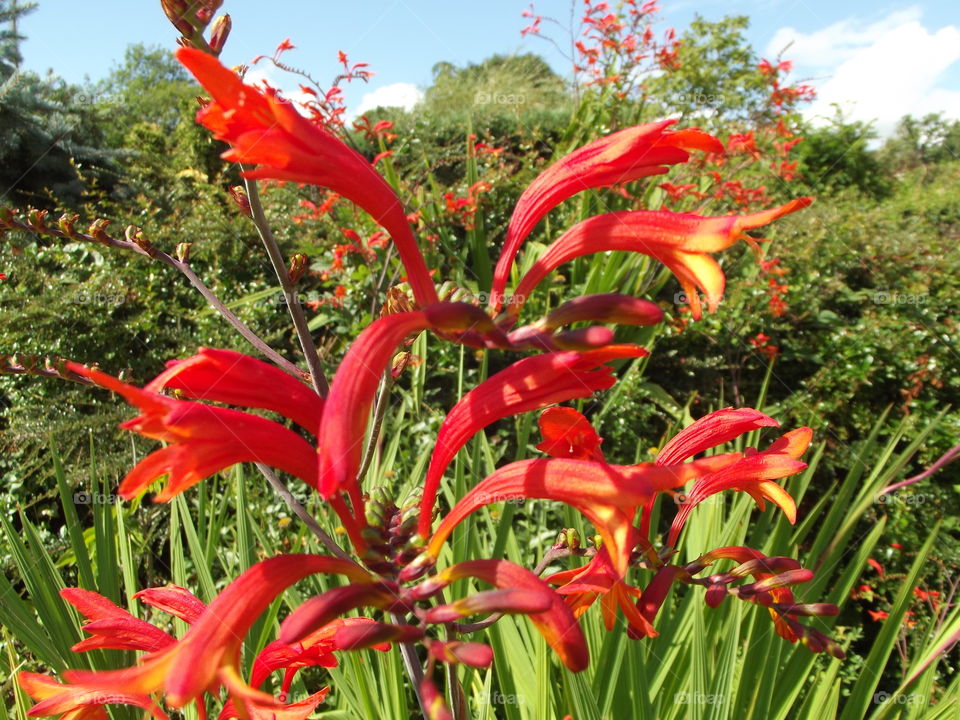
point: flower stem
(301, 512)
(317, 378)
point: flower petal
(557, 624)
(620, 157)
(529, 384)
(237, 379)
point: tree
(10, 13)
(500, 85)
(716, 77)
(922, 141)
(838, 156)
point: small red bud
(298, 265)
(219, 33)
(239, 196)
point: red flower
(623, 156)
(204, 439)
(567, 433)
(266, 131)
(680, 241)
(353, 388)
(529, 384)
(208, 655)
(754, 474)
(607, 495)
(236, 379)
(599, 580)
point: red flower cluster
(397, 544)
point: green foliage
(931, 139)
(501, 85)
(717, 82)
(837, 156)
(857, 340)
(11, 11)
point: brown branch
(135, 242)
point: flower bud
(219, 33)
(177, 11)
(715, 595)
(183, 251)
(609, 308)
(360, 637)
(239, 196)
(298, 265)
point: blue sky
(880, 61)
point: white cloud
(879, 71)
(403, 95)
(830, 46)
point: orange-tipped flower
(526, 385)
(78, 702)
(598, 579)
(680, 241)
(203, 440)
(267, 131)
(607, 495)
(754, 474)
(620, 157)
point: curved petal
(620, 157)
(237, 379)
(321, 609)
(528, 384)
(273, 135)
(216, 636)
(713, 429)
(173, 600)
(557, 624)
(345, 414)
(607, 495)
(678, 240)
